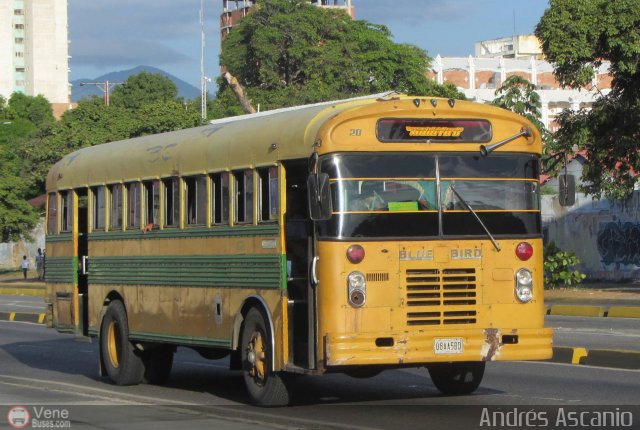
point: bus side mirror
(567, 190)
(320, 207)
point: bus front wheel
(265, 387)
(457, 378)
(123, 363)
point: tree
(578, 36)
(519, 95)
(289, 52)
(161, 116)
(35, 109)
(17, 217)
(143, 88)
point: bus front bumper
(421, 347)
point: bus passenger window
(66, 200)
(133, 205)
(152, 202)
(196, 200)
(116, 207)
(171, 202)
(98, 207)
(220, 198)
(52, 221)
(269, 194)
(244, 196)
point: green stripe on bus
(62, 269)
(182, 340)
(63, 237)
(187, 233)
(252, 271)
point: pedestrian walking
(25, 266)
(40, 265)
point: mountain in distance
(185, 90)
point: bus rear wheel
(123, 363)
(265, 387)
(455, 379)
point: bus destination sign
(433, 130)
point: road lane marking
(109, 394)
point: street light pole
(203, 78)
(104, 86)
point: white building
(521, 46)
(478, 78)
(34, 49)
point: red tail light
(524, 251)
(355, 254)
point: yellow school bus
(352, 236)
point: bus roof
(245, 141)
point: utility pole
(203, 78)
(104, 86)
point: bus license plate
(448, 345)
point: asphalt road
(595, 333)
(28, 304)
(40, 366)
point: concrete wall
(604, 234)
(11, 253)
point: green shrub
(559, 268)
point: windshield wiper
(486, 150)
(470, 209)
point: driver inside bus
(369, 198)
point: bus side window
(152, 203)
(196, 200)
(133, 205)
(220, 198)
(171, 188)
(66, 200)
(52, 221)
(115, 220)
(269, 194)
(98, 207)
(243, 181)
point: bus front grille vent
(441, 296)
(377, 277)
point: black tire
(123, 362)
(158, 362)
(265, 387)
(455, 379)
(364, 372)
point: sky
(112, 35)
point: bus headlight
(524, 285)
(357, 289)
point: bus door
(299, 246)
(83, 262)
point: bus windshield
(412, 195)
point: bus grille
(441, 296)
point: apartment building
(34, 50)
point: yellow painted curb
(579, 355)
(578, 310)
(22, 291)
(624, 312)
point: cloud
(108, 33)
(107, 52)
(414, 12)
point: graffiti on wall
(619, 243)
